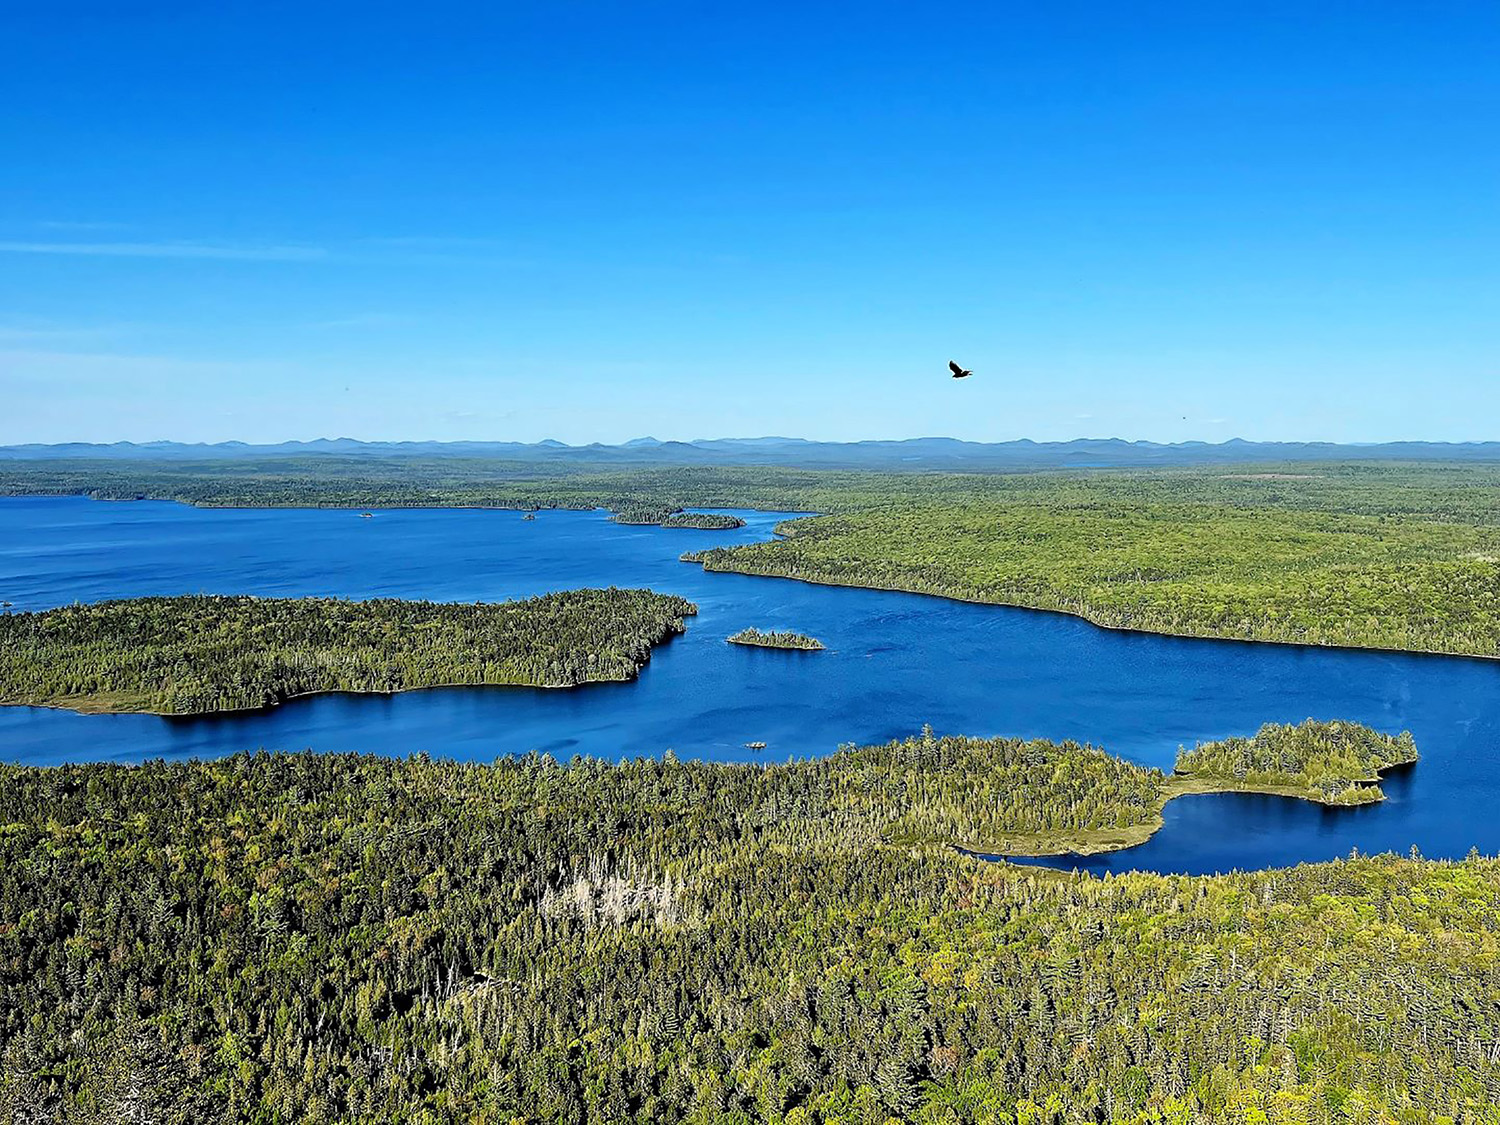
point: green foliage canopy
(327, 938)
(1402, 556)
(1333, 762)
(775, 639)
(179, 655)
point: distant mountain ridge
(928, 453)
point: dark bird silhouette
(958, 372)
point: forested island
(703, 521)
(649, 516)
(641, 515)
(774, 639)
(347, 939)
(1376, 554)
(1331, 763)
(196, 654)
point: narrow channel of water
(894, 662)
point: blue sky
(595, 221)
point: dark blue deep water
(895, 661)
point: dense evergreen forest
(642, 515)
(775, 639)
(306, 938)
(1368, 554)
(703, 521)
(1207, 561)
(1442, 493)
(1335, 763)
(181, 655)
(658, 516)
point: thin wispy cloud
(51, 333)
(76, 224)
(50, 361)
(189, 250)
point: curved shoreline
(778, 533)
(1103, 841)
(118, 702)
(387, 507)
(1126, 629)
(268, 707)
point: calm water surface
(895, 661)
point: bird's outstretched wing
(955, 368)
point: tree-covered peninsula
(776, 639)
(1333, 763)
(341, 939)
(188, 655)
(1359, 557)
(1402, 556)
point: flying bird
(958, 372)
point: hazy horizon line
(767, 438)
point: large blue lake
(895, 662)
